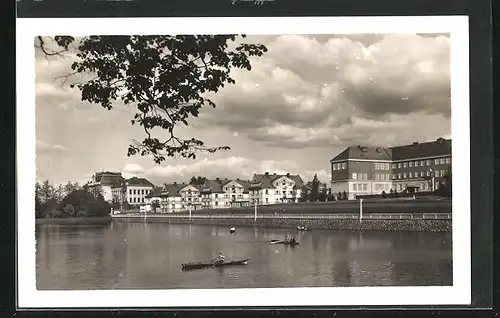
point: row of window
(339, 166)
(381, 166)
(382, 176)
(359, 176)
(135, 200)
(421, 174)
(364, 187)
(141, 191)
(421, 163)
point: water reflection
(138, 255)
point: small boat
(200, 265)
(232, 230)
(302, 228)
(285, 242)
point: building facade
(275, 188)
(180, 197)
(103, 183)
(363, 170)
(133, 191)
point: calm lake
(144, 256)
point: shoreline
(352, 224)
(76, 221)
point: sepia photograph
(218, 166)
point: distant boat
(200, 265)
(232, 230)
(302, 228)
(285, 242)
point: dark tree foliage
(166, 78)
(198, 180)
(314, 193)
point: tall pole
(360, 210)
(255, 213)
(189, 208)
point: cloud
(231, 167)
(43, 147)
(304, 89)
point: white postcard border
(30, 297)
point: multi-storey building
(103, 182)
(361, 170)
(212, 195)
(177, 197)
(133, 191)
(236, 192)
(275, 188)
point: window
(377, 176)
(410, 175)
(291, 192)
(142, 200)
(405, 164)
(338, 166)
(365, 176)
(216, 202)
(422, 163)
(267, 200)
(436, 161)
(399, 165)
(267, 191)
(399, 175)
(421, 173)
(394, 166)
(216, 195)
(404, 175)
(410, 164)
(365, 187)
(354, 176)
(130, 200)
(354, 187)
(130, 191)
(334, 167)
(448, 160)
(400, 186)
(344, 165)
(441, 161)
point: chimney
(274, 173)
(415, 143)
(237, 179)
(175, 182)
(217, 179)
(288, 174)
(267, 173)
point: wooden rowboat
(284, 242)
(200, 265)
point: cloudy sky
(304, 101)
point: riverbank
(76, 221)
(349, 224)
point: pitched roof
(214, 185)
(267, 179)
(134, 181)
(172, 190)
(365, 152)
(108, 178)
(156, 193)
(244, 183)
(439, 147)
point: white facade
(136, 194)
(235, 194)
(281, 190)
(190, 197)
(213, 200)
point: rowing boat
(200, 265)
(285, 242)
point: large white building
(103, 182)
(275, 188)
(224, 193)
(177, 197)
(133, 191)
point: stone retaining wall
(365, 225)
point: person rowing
(219, 260)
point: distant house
(212, 195)
(275, 188)
(154, 195)
(103, 182)
(178, 197)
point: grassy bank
(369, 206)
(82, 220)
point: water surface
(144, 256)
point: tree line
(68, 201)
